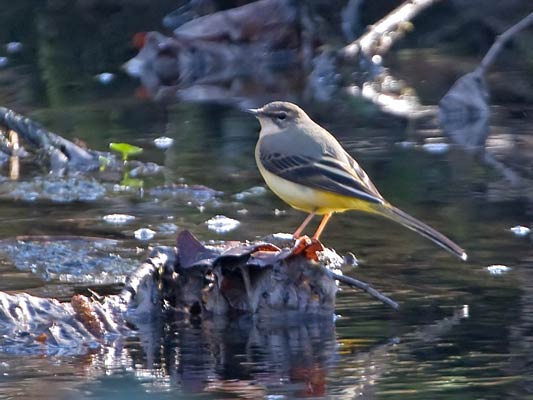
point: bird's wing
(326, 173)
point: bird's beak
(253, 111)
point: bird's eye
(282, 116)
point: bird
(307, 167)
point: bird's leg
(310, 247)
(322, 225)
(301, 228)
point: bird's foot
(308, 247)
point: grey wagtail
(307, 168)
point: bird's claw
(308, 247)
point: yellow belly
(312, 200)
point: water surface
(460, 333)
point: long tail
(414, 224)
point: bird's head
(278, 115)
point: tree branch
(500, 42)
(384, 33)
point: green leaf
(125, 149)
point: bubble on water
(498, 269)
(520, 230)
(242, 211)
(118, 218)
(144, 234)
(278, 212)
(222, 224)
(3, 61)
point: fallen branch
(384, 33)
(365, 287)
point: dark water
(460, 333)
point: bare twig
(14, 162)
(382, 35)
(500, 42)
(363, 286)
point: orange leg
(322, 225)
(301, 228)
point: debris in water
(222, 224)
(520, 230)
(497, 270)
(163, 142)
(144, 234)
(278, 212)
(242, 211)
(118, 219)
